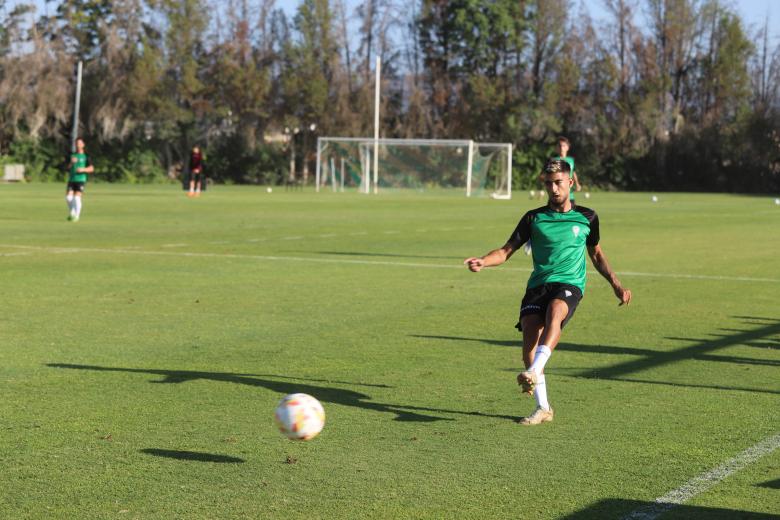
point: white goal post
(475, 168)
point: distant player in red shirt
(196, 172)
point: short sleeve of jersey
(522, 232)
(595, 235)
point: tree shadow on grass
(771, 484)
(643, 359)
(323, 393)
(495, 342)
(386, 255)
(606, 349)
(193, 456)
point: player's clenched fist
(474, 264)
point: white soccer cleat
(539, 416)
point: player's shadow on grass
(643, 359)
(323, 393)
(193, 456)
(622, 508)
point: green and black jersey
(559, 240)
(78, 160)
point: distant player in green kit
(562, 149)
(561, 232)
(79, 166)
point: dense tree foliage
(663, 95)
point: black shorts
(75, 186)
(537, 299)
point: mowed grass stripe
(355, 262)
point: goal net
(369, 166)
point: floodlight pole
(74, 134)
(376, 123)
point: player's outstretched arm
(493, 258)
(601, 264)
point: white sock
(77, 206)
(543, 353)
(540, 393)
(69, 200)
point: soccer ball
(654, 198)
(268, 189)
(777, 202)
(300, 417)
(587, 195)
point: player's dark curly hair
(555, 166)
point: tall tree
(309, 66)
(183, 105)
(241, 83)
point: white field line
(702, 277)
(454, 265)
(57, 250)
(705, 481)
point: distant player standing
(561, 232)
(562, 148)
(79, 166)
(196, 172)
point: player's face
(558, 186)
(562, 148)
(79, 145)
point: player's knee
(69, 197)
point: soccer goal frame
(361, 155)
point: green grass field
(145, 347)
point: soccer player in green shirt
(562, 147)
(561, 232)
(79, 166)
